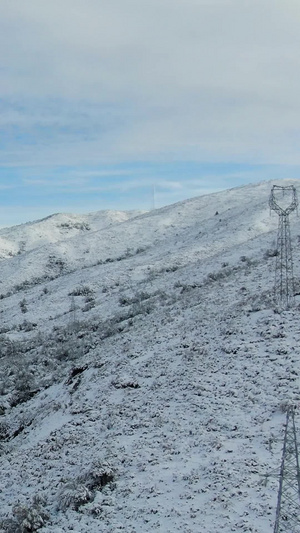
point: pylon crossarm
(275, 204)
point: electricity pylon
(288, 503)
(284, 277)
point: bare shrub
(80, 491)
(82, 290)
(56, 264)
(24, 382)
(215, 276)
(98, 475)
(89, 305)
(271, 252)
(84, 226)
(72, 495)
(26, 325)
(4, 431)
(136, 298)
(23, 306)
(90, 302)
(26, 519)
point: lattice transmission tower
(288, 503)
(284, 200)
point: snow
(173, 368)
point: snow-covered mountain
(145, 374)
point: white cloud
(88, 81)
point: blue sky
(104, 101)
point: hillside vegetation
(144, 372)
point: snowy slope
(196, 228)
(144, 371)
(25, 237)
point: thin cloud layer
(89, 83)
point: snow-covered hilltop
(55, 228)
(144, 373)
